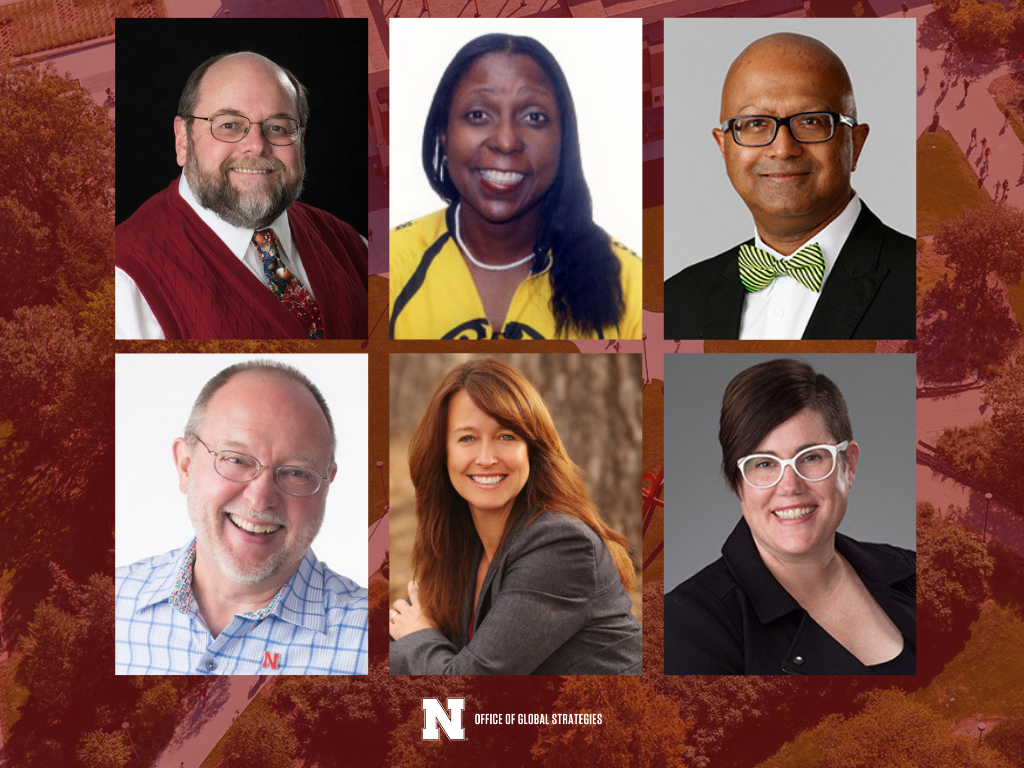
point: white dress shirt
(133, 319)
(782, 310)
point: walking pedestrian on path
(926, 71)
(903, 5)
(974, 137)
(967, 84)
(1006, 117)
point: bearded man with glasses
(790, 594)
(820, 265)
(227, 252)
(247, 595)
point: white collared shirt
(133, 319)
(782, 310)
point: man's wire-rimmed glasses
(242, 468)
(814, 464)
(279, 131)
(804, 127)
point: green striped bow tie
(758, 269)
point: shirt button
(780, 312)
(211, 665)
(798, 659)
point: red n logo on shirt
(270, 660)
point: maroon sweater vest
(198, 289)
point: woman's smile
(503, 141)
(487, 463)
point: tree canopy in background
(56, 349)
(639, 727)
(985, 450)
(965, 327)
(57, 198)
(57, 376)
(892, 731)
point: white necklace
(473, 259)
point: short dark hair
(585, 279)
(195, 419)
(764, 396)
(190, 93)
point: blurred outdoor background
(595, 401)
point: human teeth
(793, 514)
(250, 170)
(502, 177)
(492, 480)
(250, 527)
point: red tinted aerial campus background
(60, 704)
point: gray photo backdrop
(703, 214)
(700, 511)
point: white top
(133, 319)
(782, 310)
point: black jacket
(734, 618)
(871, 292)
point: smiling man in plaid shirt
(247, 595)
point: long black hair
(585, 273)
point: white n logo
(434, 714)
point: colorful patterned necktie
(286, 286)
(758, 268)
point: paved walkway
(199, 731)
(993, 519)
(936, 414)
(960, 115)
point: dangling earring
(440, 161)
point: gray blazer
(551, 604)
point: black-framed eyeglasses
(242, 468)
(280, 131)
(804, 127)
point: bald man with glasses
(227, 251)
(821, 265)
(247, 595)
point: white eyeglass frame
(833, 449)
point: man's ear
(719, 139)
(180, 139)
(860, 135)
(182, 462)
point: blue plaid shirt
(316, 625)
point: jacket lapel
(723, 303)
(852, 284)
(483, 605)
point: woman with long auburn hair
(516, 571)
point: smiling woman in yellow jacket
(517, 253)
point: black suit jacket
(870, 292)
(734, 618)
